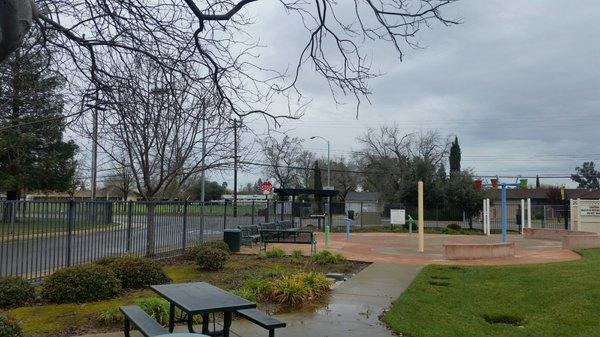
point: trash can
(233, 239)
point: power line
(545, 176)
(39, 121)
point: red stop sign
(266, 187)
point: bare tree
(213, 36)
(344, 176)
(397, 160)
(152, 123)
(305, 161)
(121, 180)
(283, 157)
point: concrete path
(353, 310)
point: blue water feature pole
(504, 218)
(348, 223)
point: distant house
(360, 202)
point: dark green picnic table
(201, 298)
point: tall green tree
(212, 190)
(455, 156)
(587, 176)
(537, 181)
(33, 153)
(462, 194)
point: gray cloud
(517, 81)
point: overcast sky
(518, 82)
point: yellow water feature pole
(421, 219)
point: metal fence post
(185, 207)
(361, 214)
(129, 224)
(544, 217)
(252, 212)
(225, 215)
(70, 224)
(267, 210)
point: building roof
(363, 196)
(305, 191)
(542, 193)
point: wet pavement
(353, 310)
(401, 248)
(356, 304)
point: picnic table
(201, 298)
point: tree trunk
(150, 231)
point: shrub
(246, 294)
(275, 252)
(107, 260)
(289, 290)
(155, 307)
(327, 257)
(298, 288)
(136, 272)
(9, 328)
(111, 316)
(454, 226)
(81, 284)
(296, 254)
(192, 253)
(15, 292)
(218, 244)
(209, 258)
(317, 284)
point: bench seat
(144, 323)
(262, 319)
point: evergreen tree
(537, 181)
(257, 186)
(33, 154)
(586, 176)
(455, 156)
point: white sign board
(397, 216)
(590, 209)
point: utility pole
(235, 167)
(328, 158)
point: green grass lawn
(75, 319)
(558, 299)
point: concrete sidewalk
(353, 310)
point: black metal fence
(39, 237)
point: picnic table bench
(250, 235)
(262, 319)
(293, 236)
(146, 325)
